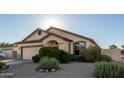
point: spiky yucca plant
(109, 70)
(48, 63)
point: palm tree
(113, 46)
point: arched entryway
(78, 45)
(53, 43)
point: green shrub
(91, 54)
(105, 58)
(2, 64)
(49, 51)
(48, 63)
(64, 57)
(60, 55)
(36, 58)
(109, 70)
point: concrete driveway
(26, 69)
(17, 61)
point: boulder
(53, 70)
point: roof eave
(91, 40)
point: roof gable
(70, 34)
(64, 38)
(40, 40)
(65, 31)
(57, 34)
(34, 35)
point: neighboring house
(122, 55)
(10, 51)
(62, 39)
(115, 54)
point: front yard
(71, 70)
(52, 62)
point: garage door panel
(28, 52)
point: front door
(78, 46)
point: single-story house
(10, 51)
(53, 36)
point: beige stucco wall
(6, 48)
(29, 52)
(26, 44)
(13, 48)
(115, 54)
(35, 36)
(51, 37)
(62, 43)
(70, 36)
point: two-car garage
(29, 51)
(24, 52)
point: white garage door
(28, 52)
(8, 53)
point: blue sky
(104, 29)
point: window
(39, 32)
(78, 45)
(82, 44)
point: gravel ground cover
(71, 70)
